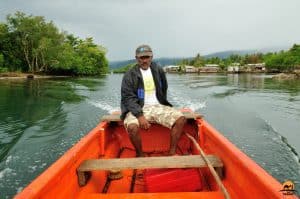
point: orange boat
(103, 165)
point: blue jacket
(132, 90)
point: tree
(31, 44)
(198, 61)
(81, 57)
(10, 50)
(1, 61)
(92, 56)
(124, 69)
(254, 58)
(213, 60)
(284, 60)
(37, 39)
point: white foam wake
(194, 104)
(4, 172)
(104, 106)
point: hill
(160, 61)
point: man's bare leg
(176, 132)
(135, 138)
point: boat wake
(179, 100)
(104, 106)
(283, 139)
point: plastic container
(172, 180)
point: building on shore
(190, 69)
(209, 68)
(259, 67)
(171, 69)
(183, 69)
(234, 68)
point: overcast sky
(173, 28)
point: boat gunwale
(269, 183)
(49, 176)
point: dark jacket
(132, 90)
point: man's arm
(163, 81)
(130, 100)
(129, 96)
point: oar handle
(212, 170)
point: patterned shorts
(160, 114)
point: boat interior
(120, 171)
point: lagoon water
(41, 118)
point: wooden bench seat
(116, 117)
(189, 161)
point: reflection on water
(37, 122)
(41, 119)
(26, 102)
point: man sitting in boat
(144, 100)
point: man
(144, 100)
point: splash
(192, 104)
(8, 159)
(197, 106)
(104, 106)
(5, 172)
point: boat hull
(242, 177)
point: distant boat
(103, 165)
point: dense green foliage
(280, 61)
(284, 60)
(1, 60)
(30, 44)
(124, 68)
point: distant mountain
(160, 61)
(173, 61)
(119, 64)
(225, 54)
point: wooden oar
(212, 170)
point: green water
(40, 119)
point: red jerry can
(172, 180)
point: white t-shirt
(149, 86)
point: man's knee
(181, 120)
(133, 129)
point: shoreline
(17, 75)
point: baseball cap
(143, 50)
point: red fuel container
(172, 180)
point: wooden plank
(189, 161)
(111, 118)
(192, 115)
(116, 117)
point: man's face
(144, 61)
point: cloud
(172, 27)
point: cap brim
(144, 54)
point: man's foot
(168, 153)
(173, 154)
(142, 154)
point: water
(40, 119)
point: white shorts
(160, 114)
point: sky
(173, 28)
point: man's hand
(144, 124)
